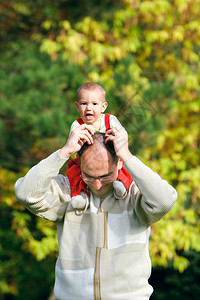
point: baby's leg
(79, 193)
(122, 184)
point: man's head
(91, 102)
(99, 165)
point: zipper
(97, 283)
(105, 244)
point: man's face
(99, 170)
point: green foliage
(170, 284)
(37, 104)
(20, 269)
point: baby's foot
(80, 203)
(120, 191)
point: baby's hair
(91, 86)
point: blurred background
(146, 54)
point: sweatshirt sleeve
(43, 191)
(153, 197)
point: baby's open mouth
(89, 117)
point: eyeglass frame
(101, 179)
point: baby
(91, 103)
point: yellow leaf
(66, 25)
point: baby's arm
(114, 122)
(75, 124)
(120, 189)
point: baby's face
(90, 105)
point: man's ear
(119, 164)
(104, 106)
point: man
(103, 253)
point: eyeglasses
(102, 179)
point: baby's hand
(119, 137)
(77, 138)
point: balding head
(99, 165)
(98, 145)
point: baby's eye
(95, 103)
(83, 103)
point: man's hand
(119, 137)
(77, 138)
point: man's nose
(97, 184)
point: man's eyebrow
(105, 175)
